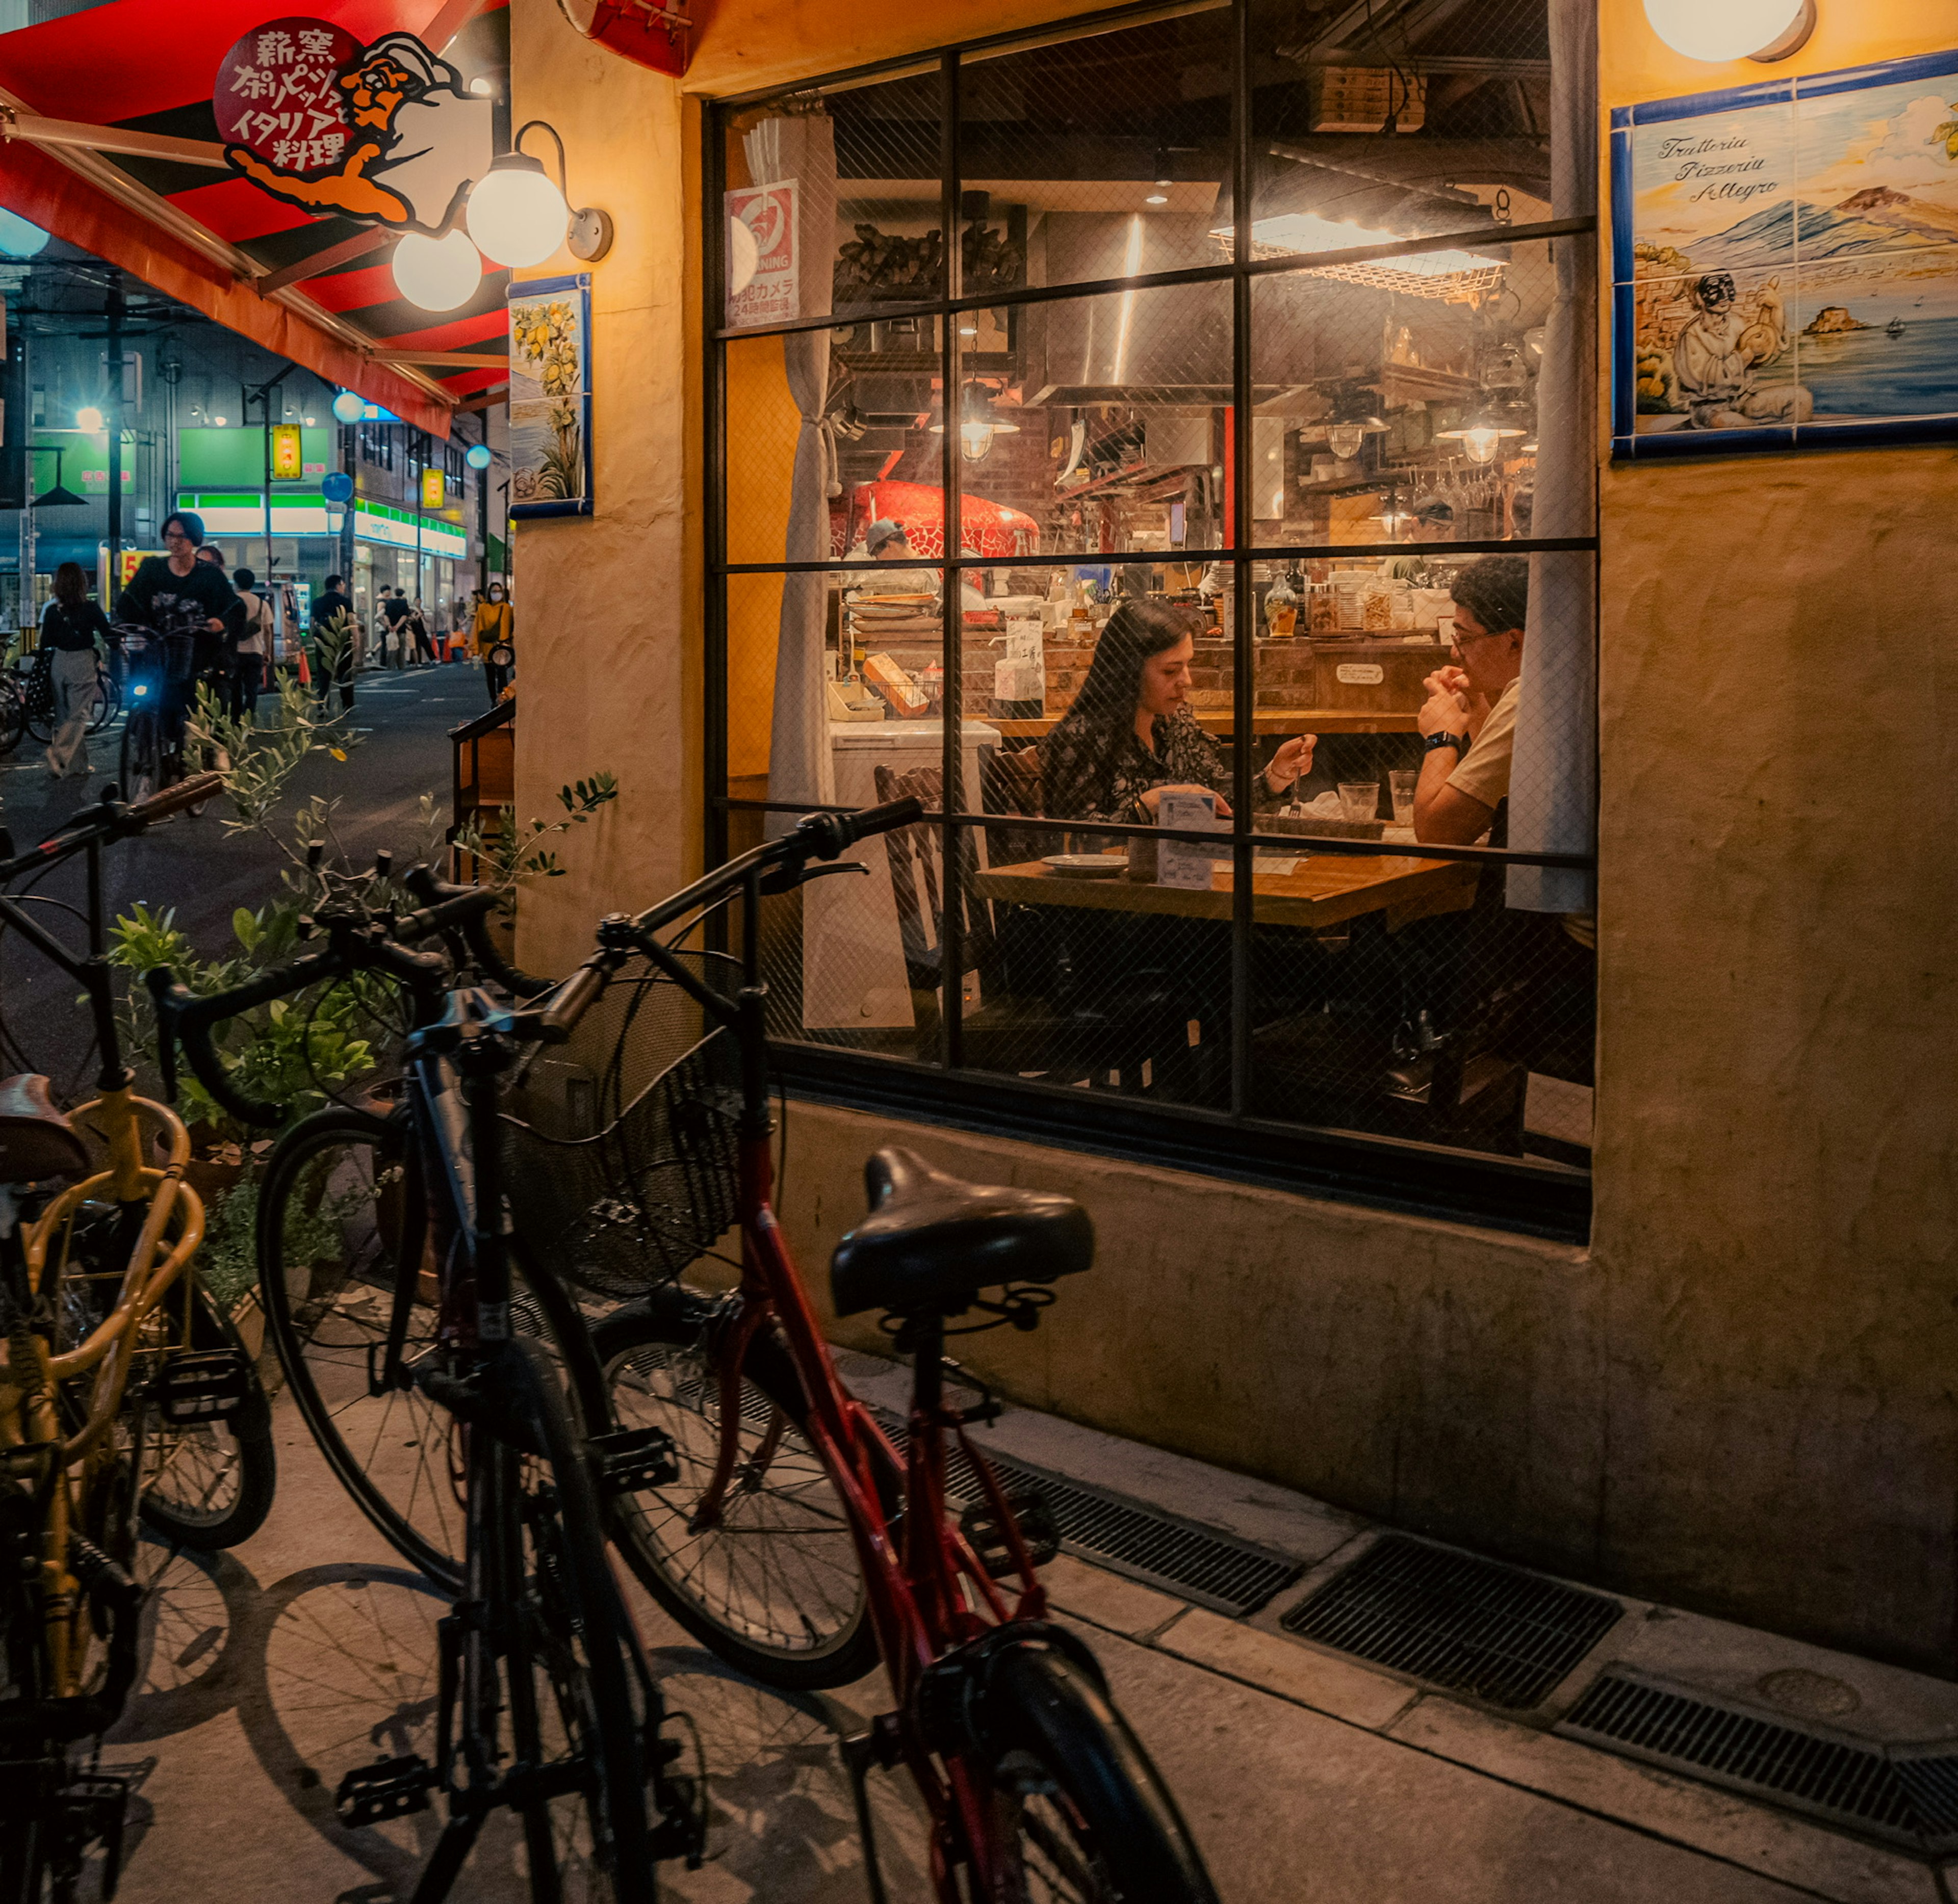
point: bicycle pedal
(630, 1459)
(1040, 1533)
(370, 1795)
(206, 1385)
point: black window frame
(1518, 1195)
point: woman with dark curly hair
(1130, 736)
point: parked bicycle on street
(417, 1353)
(124, 1397)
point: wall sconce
(436, 273)
(518, 217)
(1724, 29)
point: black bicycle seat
(932, 1241)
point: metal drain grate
(1494, 1632)
(1908, 1794)
(1228, 1576)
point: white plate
(1086, 865)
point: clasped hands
(1452, 706)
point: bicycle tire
(39, 1766)
(140, 767)
(818, 1632)
(13, 716)
(381, 1448)
(210, 1483)
(1081, 1816)
(573, 1604)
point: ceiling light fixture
(1717, 30)
(1453, 276)
(1157, 198)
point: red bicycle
(798, 1542)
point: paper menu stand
(1179, 862)
(1020, 674)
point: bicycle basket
(621, 1153)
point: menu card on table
(1180, 862)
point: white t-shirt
(260, 628)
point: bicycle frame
(929, 1593)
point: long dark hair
(1085, 743)
(70, 585)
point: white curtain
(1553, 779)
(804, 149)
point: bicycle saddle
(932, 1241)
(37, 1142)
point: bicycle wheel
(208, 1484)
(141, 769)
(343, 1269)
(1078, 1812)
(577, 1695)
(774, 1587)
(13, 715)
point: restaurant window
(1236, 440)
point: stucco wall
(1738, 1398)
(609, 608)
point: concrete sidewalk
(1304, 1775)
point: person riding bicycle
(191, 607)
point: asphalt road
(194, 865)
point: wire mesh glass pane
(1387, 414)
(833, 200)
(1383, 122)
(1103, 155)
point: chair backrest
(1010, 782)
(916, 855)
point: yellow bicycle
(124, 1396)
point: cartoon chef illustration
(397, 140)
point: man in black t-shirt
(396, 609)
(191, 606)
(333, 644)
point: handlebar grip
(887, 818)
(186, 793)
(557, 1020)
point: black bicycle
(387, 1274)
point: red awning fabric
(149, 65)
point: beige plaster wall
(609, 608)
(1738, 1398)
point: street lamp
(477, 455)
(88, 418)
(349, 408)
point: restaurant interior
(1154, 406)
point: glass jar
(1280, 610)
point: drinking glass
(1361, 798)
(1401, 783)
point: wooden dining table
(1321, 891)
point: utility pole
(112, 311)
(262, 395)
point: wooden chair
(1011, 783)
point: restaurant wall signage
(550, 397)
(386, 132)
(1785, 264)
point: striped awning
(110, 142)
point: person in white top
(252, 666)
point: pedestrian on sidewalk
(491, 635)
(217, 666)
(252, 660)
(418, 629)
(333, 642)
(72, 626)
(396, 611)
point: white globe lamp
(1718, 30)
(437, 273)
(349, 408)
(477, 455)
(516, 214)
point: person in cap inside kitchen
(1468, 721)
(884, 541)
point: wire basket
(622, 1154)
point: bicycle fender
(948, 1704)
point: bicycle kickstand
(878, 1747)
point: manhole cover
(1812, 1695)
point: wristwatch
(1458, 741)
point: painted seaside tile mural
(1786, 264)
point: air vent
(1907, 1795)
(1494, 1632)
(1228, 1576)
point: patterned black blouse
(1082, 778)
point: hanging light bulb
(348, 407)
(978, 424)
(1724, 29)
(437, 273)
(1481, 440)
(516, 214)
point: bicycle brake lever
(788, 880)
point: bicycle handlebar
(110, 819)
(184, 1020)
(430, 889)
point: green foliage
(509, 854)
